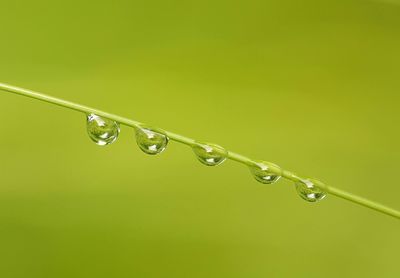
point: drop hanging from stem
(102, 131)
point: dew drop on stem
(210, 154)
(102, 131)
(151, 141)
(266, 172)
(308, 191)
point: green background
(310, 85)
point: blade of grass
(190, 142)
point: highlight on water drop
(150, 140)
(266, 172)
(309, 191)
(210, 154)
(102, 131)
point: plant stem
(190, 142)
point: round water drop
(102, 131)
(151, 141)
(210, 154)
(266, 172)
(308, 191)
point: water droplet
(102, 131)
(151, 141)
(210, 154)
(266, 172)
(308, 191)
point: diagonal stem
(190, 142)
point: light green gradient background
(310, 85)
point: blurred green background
(310, 85)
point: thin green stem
(190, 142)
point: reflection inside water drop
(151, 141)
(266, 172)
(210, 154)
(308, 191)
(102, 131)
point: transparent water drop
(266, 172)
(150, 140)
(102, 131)
(210, 154)
(308, 191)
